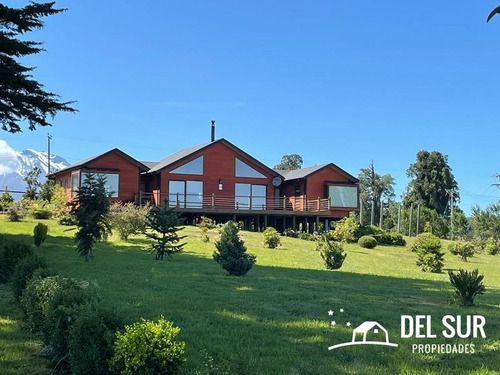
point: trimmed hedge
(367, 242)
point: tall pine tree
(21, 97)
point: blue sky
(342, 81)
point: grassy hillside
(275, 320)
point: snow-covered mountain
(15, 165)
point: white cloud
(8, 159)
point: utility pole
(399, 219)
(49, 138)
(411, 219)
(497, 184)
(451, 193)
(372, 221)
(418, 218)
(381, 214)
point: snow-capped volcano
(15, 165)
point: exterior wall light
(220, 184)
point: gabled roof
(306, 172)
(183, 154)
(366, 326)
(83, 163)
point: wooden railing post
(213, 200)
(250, 202)
(284, 202)
(177, 200)
(319, 207)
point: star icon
(333, 323)
(348, 324)
(330, 312)
(341, 310)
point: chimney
(213, 131)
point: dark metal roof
(306, 172)
(178, 156)
(84, 162)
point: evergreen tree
(431, 178)
(32, 184)
(91, 209)
(47, 191)
(164, 223)
(21, 97)
(231, 251)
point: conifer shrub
(40, 233)
(367, 242)
(91, 340)
(6, 199)
(204, 234)
(467, 285)
(492, 247)
(128, 218)
(15, 212)
(463, 250)
(272, 238)
(24, 271)
(429, 255)
(148, 348)
(163, 223)
(306, 236)
(11, 252)
(332, 252)
(206, 222)
(231, 252)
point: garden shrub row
(79, 335)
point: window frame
(342, 184)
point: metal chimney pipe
(213, 131)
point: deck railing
(244, 203)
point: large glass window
(244, 170)
(112, 184)
(185, 194)
(75, 183)
(248, 196)
(343, 196)
(193, 167)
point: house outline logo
(364, 329)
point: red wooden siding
(218, 163)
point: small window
(193, 167)
(244, 170)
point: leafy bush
(41, 213)
(492, 246)
(206, 222)
(231, 251)
(272, 238)
(331, 252)
(67, 218)
(11, 253)
(37, 298)
(368, 242)
(345, 230)
(5, 201)
(463, 250)
(128, 219)
(467, 285)
(204, 234)
(24, 271)
(289, 232)
(91, 340)
(15, 212)
(40, 233)
(383, 237)
(429, 256)
(148, 348)
(66, 304)
(306, 236)
(397, 239)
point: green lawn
(274, 320)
